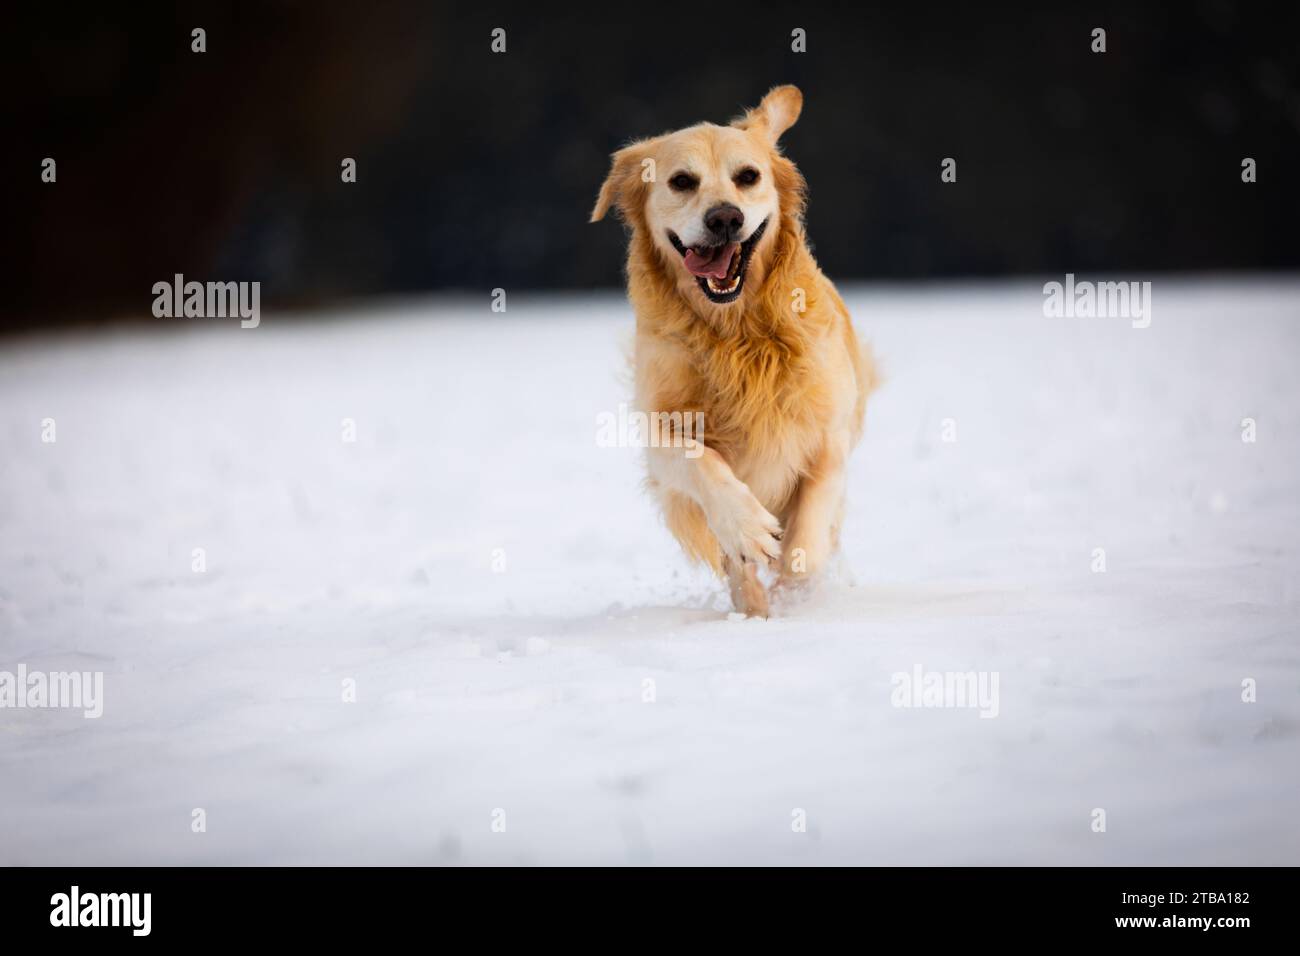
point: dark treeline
(477, 169)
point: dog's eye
(747, 177)
(683, 182)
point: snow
(502, 594)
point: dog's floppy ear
(625, 181)
(776, 114)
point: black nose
(724, 222)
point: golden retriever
(734, 320)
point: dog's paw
(747, 532)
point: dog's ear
(776, 114)
(625, 182)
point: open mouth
(720, 270)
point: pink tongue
(715, 264)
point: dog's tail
(868, 375)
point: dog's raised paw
(748, 532)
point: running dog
(735, 320)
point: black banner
(338, 906)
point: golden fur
(783, 392)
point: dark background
(478, 170)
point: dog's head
(711, 199)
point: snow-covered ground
(529, 648)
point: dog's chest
(764, 409)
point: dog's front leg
(812, 522)
(748, 596)
(747, 533)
